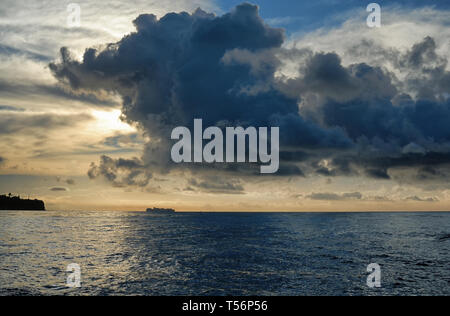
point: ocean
(238, 254)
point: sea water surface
(131, 253)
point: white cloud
(400, 30)
(41, 26)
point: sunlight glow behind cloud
(109, 121)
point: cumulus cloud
(173, 70)
(121, 172)
(335, 119)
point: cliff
(15, 203)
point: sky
(364, 113)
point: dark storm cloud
(290, 170)
(121, 172)
(358, 99)
(427, 161)
(222, 69)
(426, 170)
(428, 178)
(324, 75)
(378, 174)
(390, 129)
(11, 123)
(172, 70)
(424, 122)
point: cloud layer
(13, 123)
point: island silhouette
(16, 203)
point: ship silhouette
(15, 203)
(160, 210)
